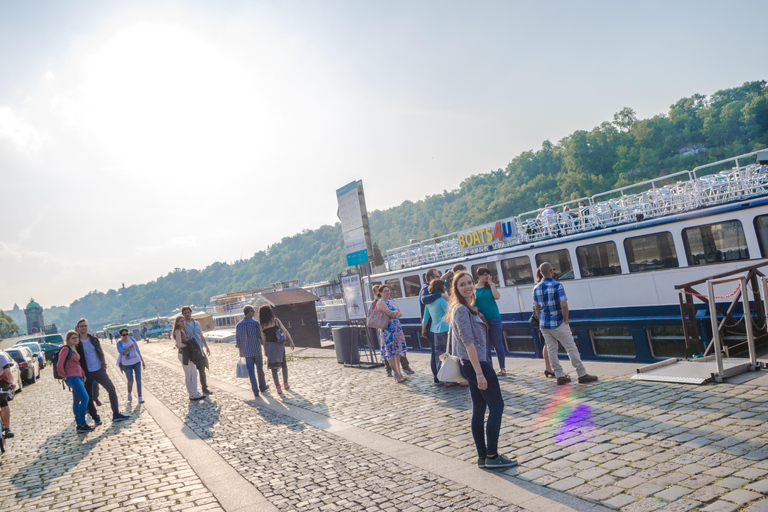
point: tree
(7, 325)
(378, 259)
(624, 119)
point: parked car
(15, 374)
(50, 343)
(36, 350)
(30, 368)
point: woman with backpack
(68, 368)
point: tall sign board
(354, 223)
(353, 297)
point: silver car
(15, 376)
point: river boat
(619, 255)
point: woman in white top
(130, 358)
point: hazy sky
(136, 137)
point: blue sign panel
(357, 258)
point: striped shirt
(547, 295)
(248, 337)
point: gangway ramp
(693, 371)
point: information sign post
(354, 223)
(351, 287)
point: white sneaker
(130, 398)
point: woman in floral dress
(392, 338)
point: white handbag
(242, 369)
(450, 370)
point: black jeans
(100, 377)
(486, 442)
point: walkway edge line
(520, 493)
(233, 492)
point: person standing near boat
(486, 296)
(550, 305)
(392, 337)
(195, 332)
(403, 359)
(468, 340)
(425, 299)
(434, 319)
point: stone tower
(34, 314)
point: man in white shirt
(196, 332)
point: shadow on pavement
(202, 416)
(58, 454)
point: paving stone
(742, 496)
(732, 482)
(644, 505)
(566, 483)
(760, 486)
(760, 506)
(619, 501)
(673, 493)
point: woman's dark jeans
(486, 442)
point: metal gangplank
(714, 367)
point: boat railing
(658, 197)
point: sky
(138, 137)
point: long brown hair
(266, 315)
(457, 299)
(177, 328)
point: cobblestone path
(127, 466)
(625, 444)
(299, 467)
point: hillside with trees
(619, 152)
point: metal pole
(748, 324)
(764, 290)
(715, 331)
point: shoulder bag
(282, 338)
(450, 370)
(377, 319)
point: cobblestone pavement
(298, 467)
(127, 466)
(625, 444)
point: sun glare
(160, 93)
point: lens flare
(569, 418)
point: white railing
(646, 200)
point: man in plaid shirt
(248, 342)
(550, 305)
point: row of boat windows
(663, 341)
(704, 245)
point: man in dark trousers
(95, 368)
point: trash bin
(345, 340)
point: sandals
(502, 372)
(401, 380)
(548, 374)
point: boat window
(519, 340)
(395, 291)
(669, 341)
(715, 243)
(517, 271)
(651, 252)
(761, 227)
(613, 341)
(412, 286)
(598, 260)
(491, 266)
(560, 261)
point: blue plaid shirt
(248, 337)
(547, 295)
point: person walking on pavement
(248, 342)
(69, 369)
(189, 354)
(6, 384)
(469, 338)
(132, 361)
(550, 305)
(195, 332)
(486, 296)
(95, 368)
(273, 348)
(110, 337)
